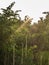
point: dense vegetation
(22, 43)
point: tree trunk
(14, 54)
(26, 47)
(22, 55)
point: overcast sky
(33, 8)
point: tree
(7, 27)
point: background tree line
(22, 43)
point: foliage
(22, 43)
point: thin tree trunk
(41, 60)
(5, 59)
(8, 58)
(22, 55)
(14, 54)
(26, 47)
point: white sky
(33, 8)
